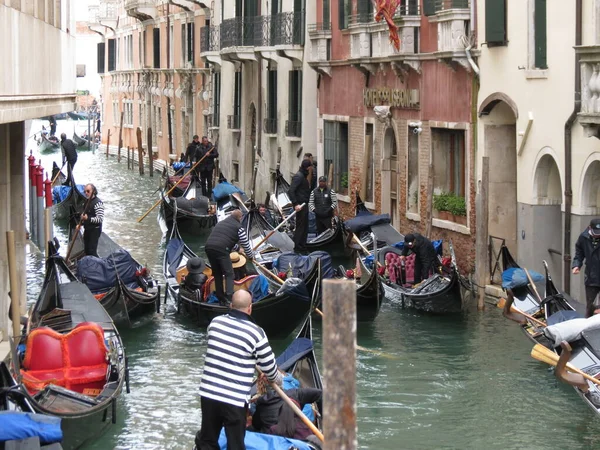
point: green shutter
(539, 21)
(429, 7)
(495, 21)
(326, 14)
(342, 14)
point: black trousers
(216, 415)
(323, 224)
(220, 263)
(590, 295)
(206, 180)
(301, 231)
(91, 236)
(71, 163)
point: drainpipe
(569, 156)
(169, 124)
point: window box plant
(441, 205)
(457, 206)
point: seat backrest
(409, 267)
(85, 345)
(393, 264)
(244, 283)
(44, 350)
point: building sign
(398, 98)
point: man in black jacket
(207, 166)
(92, 217)
(587, 249)
(52, 121)
(192, 150)
(323, 202)
(426, 260)
(221, 242)
(299, 193)
(69, 151)
(312, 176)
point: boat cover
(259, 288)
(60, 193)
(197, 205)
(100, 274)
(387, 233)
(298, 349)
(260, 441)
(570, 330)
(302, 265)
(223, 190)
(20, 425)
(174, 255)
(516, 277)
(178, 165)
(295, 287)
(363, 222)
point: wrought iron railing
(210, 39)
(495, 245)
(288, 28)
(233, 122)
(270, 126)
(442, 5)
(243, 32)
(408, 8)
(319, 26)
(361, 18)
(293, 129)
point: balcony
(589, 117)
(320, 39)
(452, 17)
(234, 123)
(270, 126)
(239, 36)
(107, 13)
(287, 35)
(293, 129)
(141, 9)
(210, 44)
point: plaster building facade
(40, 32)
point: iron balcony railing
(293, 129)
(233, 122)
(270, 126)
(442, 5)
(408, 8)
(242, 32)
(288, 28)
(210, 39)
(319, 26)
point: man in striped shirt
(323, 202)
(235, 346)
(92, 218)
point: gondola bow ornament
(385, 11)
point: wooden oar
(502, 303)
(277, 228)
(360, 244)
(173, 187)
(547, 356)
(533, 285)
(70, 249)
(296, 410)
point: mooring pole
(150, 153)
(39, 180)
(48, 227)
(32, 203)
(107, 143)
(482, 237)
(140, 150)
(14, 284)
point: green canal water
(464, 382)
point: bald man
(235, 346)
(221, 242)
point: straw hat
(237, 260)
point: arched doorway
(389, 176)
(590, 194)
(498, 116)
(250, 148)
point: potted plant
(458, 208)
(441, 205)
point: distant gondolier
(323, 202)
(207, 166)
(299, 193)
(52, 121)
(426, 260)
(312, 172)
(92, 218)
(219, 245)
(69, 150)
(587, 249)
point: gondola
(68, 198)
(277, 314)
(48, 144)
(82, 143)
(58, 177)
(125, 299)
(194, 212)
(70, 360)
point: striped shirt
(235, 346)
(245, 243)
(99, 211)
(332, 195)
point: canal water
(464, 382)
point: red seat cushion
(85, 345)
(44, 350)
(394, 266)
(409, 267)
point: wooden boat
(58, 177)
(48, 144)
(70, 361)
(74, 201)
(125, 300)
(82, 143)
(278, 315)
(192, 210)
(365, 224)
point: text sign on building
(399, 98)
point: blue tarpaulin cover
(178, 165)
(516, 277)
(302, 265)
(223, 190)
(60, 193)
(259, 441)
(259, 288)
(174, 255)
(19, 425)
(295, 287)
(100, 274)
(363, 222)
(299, 348)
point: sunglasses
(87, 191)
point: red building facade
(398, 126)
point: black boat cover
(295, 287)
(385, 232)
(174, 255)
(197, 205)
(364, 222)
(299, 348)
(77, 298)
(302, 265)
(100, 274)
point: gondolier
(219, 246)
(92, 218)
(426, 260)
(207, 166)
(235, 346)
(299, 193)
(587, 250)
(323, 202)
(69, 150)
(52, 122)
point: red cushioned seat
(394, 266)
(44, 350)
(409, 267)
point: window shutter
(191, 43)
(112, 50)
(429, 7)
(495, 21)
(299, 94)
(101, 56)
(342, 14)
(156, 47)
(539, 20)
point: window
(236, 171)
(295, 104)
(449, 161)
(540, 34)
(171, 47)
(187, 44)
(237, 98)
(80, 70)
(429, 7)
(116, 113)
(159, 128)
(141, 114)
(101, 55)
(343, 11)
(156, 47)
(495, 22)
(141, 52)
(365, 11)
(128, 52)
(271, 122)
(216, 99)
(412, 181)
(173, 128)
(112, 48)
(368, 174)
(326, 14)
(335, 149)
(128, 116)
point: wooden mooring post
(482, 237)
(429, 209)
(150, 153)
(140, 150)
(339, 362)
(128, 158)
(107, 143)
(120, 137)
